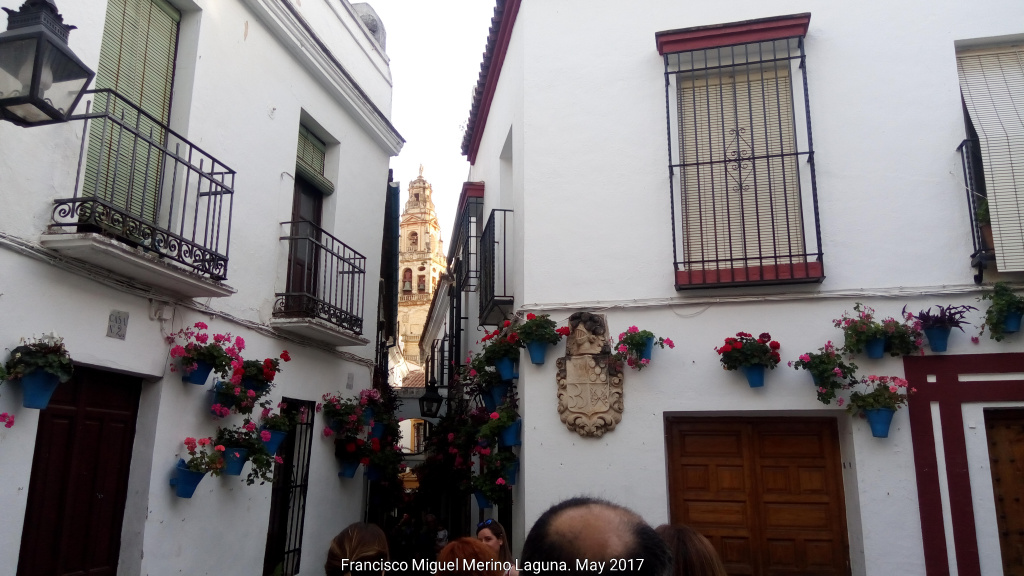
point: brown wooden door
(1005, 430)
(767, 492)
(79, 479)
(305, 249)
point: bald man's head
(586, 532)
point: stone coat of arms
(589, 379)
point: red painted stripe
(496, 55)
(929, 498)
(760, 30)
(958, 478)
(773, 272)
(469, 190)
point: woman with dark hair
(357, 543)
(692, 553)
(492, 533)
(469, 557)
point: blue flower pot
(498, 393)
(372, 473)
(1012, 322)
(224, 399)
(875, 348)
(938, 338)
(276, 437)
(185, 481)
(199, 375)
(506, 368)
(754, 374)
(512, 435)
(257, 386)
(482, 500)
(817, 381)
(879, 419)
(367, 415)
(378, 430)
(510, 472)
(648, 349)
(37, 387)
(348, 468)
(234, 460)
(488, 400)
(538, 351)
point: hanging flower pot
(378, 430)
(648, 349)
(200, 374)
(879, 419)
(938, 338)
(234, 460)
(482, 500)
(512, 435)
(510, 472)
(538, 351)
(37, 387)
(488, 400)
(258, 386)
(220, 401)
(754, 374)
(185, 481)
(498, 394)
(875, 348)
(506, 368)
(367, 415)
(348, 468)
(276, 437)
(1012, 322)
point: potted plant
(482, 379)
(501, 350)
(750, 356)
(503, 425)
(274, 427)
(491, 481)
(984, 220)
(537, 332)
(903, 338)
(828, 370)
(938, 325)
(372, 404)
(351, 451)
(256, 375)
(1003, 315)
(199, 355)
(343, 416)
(635, 347)
(40, 364)
(190, 472)
(242, 444)
(861, 332)
(885, 395)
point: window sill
(751, 276)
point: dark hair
(468, 549)
(504, 553)
(356, 542)
(545, 545)
(692, 553)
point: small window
(421, 284)
(407, 280)
(414, 241)
(310, 161)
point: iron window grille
(288, 497)
(748, 208)
(465, 245)
(495, 255)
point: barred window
(739, 159)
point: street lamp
(41, 79)
(431, 401)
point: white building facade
(698, 170)
(234, 172)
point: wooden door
(1005, 430)
(79, 479)
(767, 492)
(305, 249)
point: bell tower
(421, 261)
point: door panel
(766, 492)
(79, 479)
(1005, 429)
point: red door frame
(950, 394)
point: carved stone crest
(589, 380)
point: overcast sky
(435, 47)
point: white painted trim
(345, 91)
(385, 72)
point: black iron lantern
(41, 79)
(430, 402)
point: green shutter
(136, 61)
(310, 161)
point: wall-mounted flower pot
(488, 400)
(276, 437)
(218, 397)
(510, 472)
(1012, 322)
(234, 460)
(367, 415)
(258, 386)
(648, 349)
(512, 435)
(482, 500)
(378, 430)
(348, 468)
(199, 375)
(506, 368)
(879, 419)
(938, 338)
(37, 387)
(185, 481)
(538, 351)
(754, 374)
(498, 393)
(875, 348)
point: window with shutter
(747, 206)
(310, 161)
(992, 85)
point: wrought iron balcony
(974, 186)
(495, 255)
(149, 188)
(325, 279)
(462, 253)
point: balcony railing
(974, 186)
(149, 187)
(462, 254)
(495, 255)
(325, 278)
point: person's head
(468, 549)
(595, 530)
(491, 533)
(357, 542)
(692, 553)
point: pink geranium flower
(265, 435)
